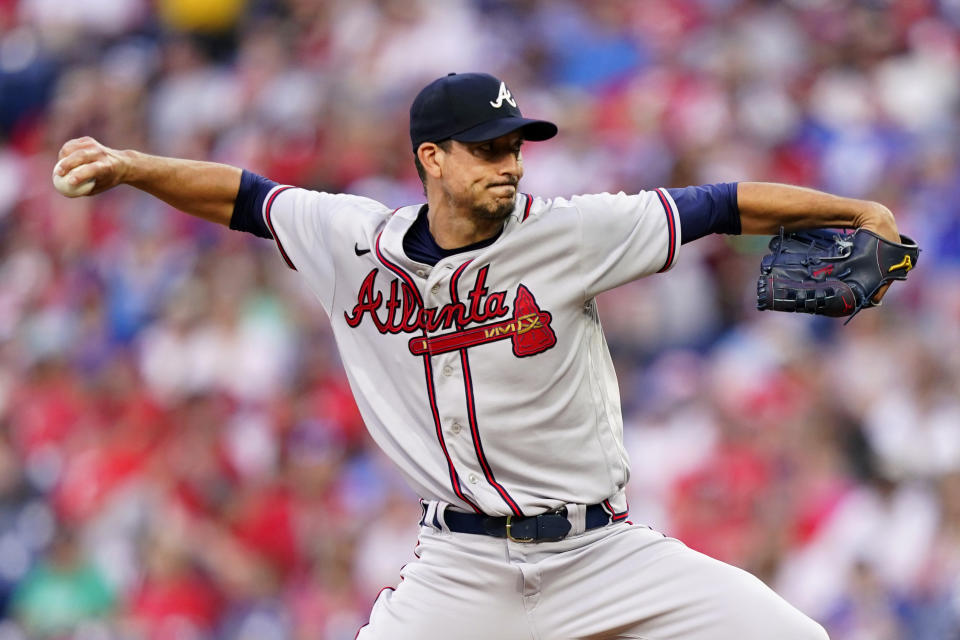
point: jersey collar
(391, 238)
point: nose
(512, 165)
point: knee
(791, 627)
(810, 630)
(820, 633)
(785, 622)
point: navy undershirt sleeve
(710, 208)
(248, 207)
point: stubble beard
(493, 210)
(498, 211)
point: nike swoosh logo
(357, 250)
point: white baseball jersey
(486, 378)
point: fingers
(77, 143)
(85, 171)
(76, 160)
(880, 293)
(83, 159)
(78, 152)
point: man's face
(482, 177)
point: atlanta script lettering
(528, 329)
(401, 312)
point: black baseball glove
(830, 273)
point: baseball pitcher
(469, 331)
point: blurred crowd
(180, 456)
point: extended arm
(765, 207)
(203, 189)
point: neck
(453, 227)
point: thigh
(636, 583)
(461, 586)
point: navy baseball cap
(470, 107)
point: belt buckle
(510, 534)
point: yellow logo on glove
(906, 263)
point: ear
(431, 157)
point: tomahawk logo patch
(529, 331)
(486, 317)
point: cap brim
(535, 130)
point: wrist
(879, 219)
(129, 167)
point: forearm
(203, 189)
(765, 207)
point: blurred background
(180, 456)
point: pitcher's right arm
(207, 190)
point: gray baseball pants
(619, 581)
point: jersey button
(448, 371)
(473, 478)
(421, 273)
(456, 427)
(435, 289)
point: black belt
(546, 527)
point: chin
(498, 210)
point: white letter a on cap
(503, 95)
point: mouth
(503, 185)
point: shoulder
(320, 201)
(591, 203)
(312, 215)
(328, 212)
(533, 207)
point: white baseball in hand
(61, 184)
